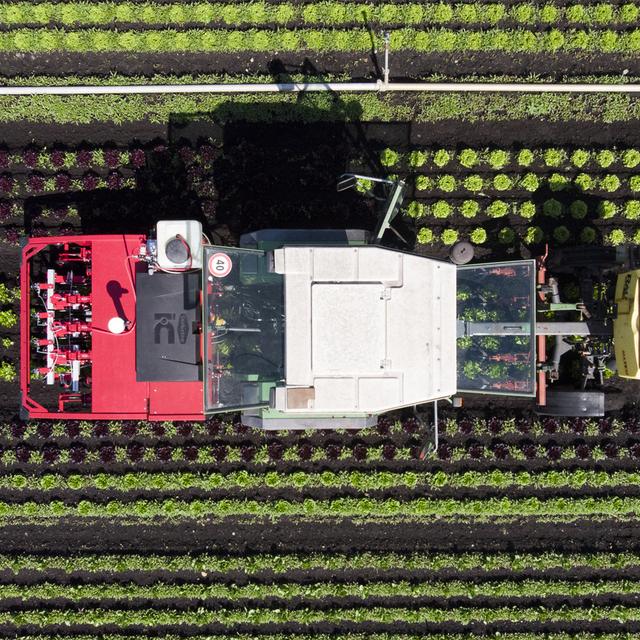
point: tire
(573, 403)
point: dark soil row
(480, 629)
(325, 604)
(311, 576)
(322, 493)
(363, 138)
(239, 536)
(405, 65)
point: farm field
(521, 528)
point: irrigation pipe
(337, 87)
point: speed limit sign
(220, 265)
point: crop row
(314, 13)
(531, 235)
(527, 209)
(300, 480)
(421, 509)
(281, 565)
(259, 616)
(321, 40)
(317, 591)
(109, 157)
(527, 183)
(498, 158)
(36, 183)
(464, 424)
(165, 452)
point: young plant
(583, 181)
(578, 209)
(447, 183)
(561, 234)
(417, 159)
(527, 210)
(530, 182)
(634, 183)
(8, 372)
(610, 183)
(423, 183)
(469, 209)
(498, 158)
(632, 209)
(441, 209)
(552, 208)
(498, 209)
(616, 237)
(533, 235)
(588, 235)
(554, 157)
(506, 235)
(389, 158)
(502, 182)
(441, 158)
(580, 157)
(425, 236)
(631, 158)
(525, 157)
(449, 236)
(468, 158)
(473, 183)
(8, 319)
(415, 209)
(607, 209)
(558, 182)
(606, 158)
(478, 236)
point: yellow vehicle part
(626, 332)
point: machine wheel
(573, 403)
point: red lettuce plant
(138, 158)
(50, 452)
(77, 453)
(115, 180)
(84, 158)
(135, 451)
(63, 182)
(111, 158)
(164, 452)
(107, 452)
(57, 158)
(30, 158)
(6, 210)
(6, 183)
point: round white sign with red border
(220, 265)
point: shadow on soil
(268, 165)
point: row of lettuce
(329, 13)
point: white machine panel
(368, 329)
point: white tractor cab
(366, 329)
